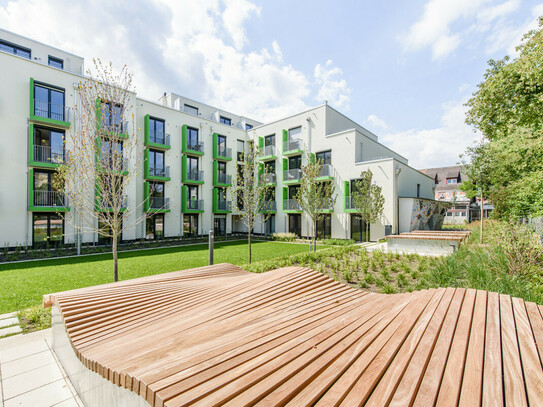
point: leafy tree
(315, 196)
(367, 200)
(104, 157)
(251, 190)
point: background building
(191, 154)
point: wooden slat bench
(221, 336)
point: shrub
(338, 242)
(284, 237)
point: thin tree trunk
(249, 246)
(315, 235)
(115, 260)
(482, 217)
(367, 232)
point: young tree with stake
(367, 200)
(315, 196)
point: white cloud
(375, 123)
(333, 88)
(437, 147)
(445, 24)
(196, 49)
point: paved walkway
(9, 324)
(30, 374)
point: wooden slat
(221, 336)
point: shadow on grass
(90, 258)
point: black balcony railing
(159, 202)
(45, 154)
(195, 145)
(50, 199)
(224, 178)
(163, 172)
(159, 138)
(50, 110)
(195, 204)
(195, 175)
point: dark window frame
(48, 215)
(320, 153)
(153, 222)
(152, 129)
(49, 88)
(191, 107)
(270, 137)
(55, 60)
(225, 120)
(16, 48)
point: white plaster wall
(408, 180)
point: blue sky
(403, 69)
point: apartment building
(191, 153)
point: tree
(506, 109)
(104, 157)
(367, 200)
(315, 197)
(251, 190)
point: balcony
(268, 153)
(326, 173)
(114, 129)
(292, 176)
(349, 202)
(195, 176)
(159, 172)
(196, 146)
(47, 112)
(195, 205)
(268, 178)
(109, 204)
(50, 199)
(291, 205)
(46, 155)
(114, 164)
(293, 147)
(268, 206)
(223, 205)
(162, 139)
(224, 152)
(159, 202)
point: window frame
(225, 120)
(55, 60)
(48, 215)
(49, 88)
(185, 105)
(329, 152)
(16, 48)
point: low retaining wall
(92, 388)
(424, 244)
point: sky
(402, 69)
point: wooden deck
(221, 336)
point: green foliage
(507, 109)
(34, 318)
(367, 199)
(338, 242)
(284, 237)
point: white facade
(24, 218)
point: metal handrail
(159, 138)
(224, 205)
(50, 110)
(198, 146)
(291, 205)
(123, 203)
(159, 202)
(45, 154)
(195, 175)
(224, 178)
(268, 178)
(269, 151)
(291, 145)
(326, 171)
(292, 175)
(50, 199)
(224, 152)
(195, 204)
(163, 171)
(266, 206)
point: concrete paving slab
(10, 331)
(46, 396)
(27, 363)
(33, 379)
(8, 315)
(9, 321)
(69, 403)
(12, 350)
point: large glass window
(270, 225)
(294, 133)
(324, 157)
(295, 162)
(111, 117)
(270, 167)
(292, 191)
(295, 224)
(48, 145)
(14, 49)
(156, 131)
(226, 120)
(106, 230)
(219, 226)
(221, 167)
(56, 62)
(45, 189)
(190, 225)
(112, 155)
(241, 149)
(192, 138)
(48, 102)
(221, 140)
(47, 228)
(358, 229)
(154, 227)
(324, 227)
(192, 197)
(191, 110)
(248, 126)
(156, 163)
(269, 140)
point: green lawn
(23, 284)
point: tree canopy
(507, 108)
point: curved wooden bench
(221, 336)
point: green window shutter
(146, 196)
(261, 168)
(30, 142)
(215, 172)
(146, 163)
(98, 113)
(215, 199)
(346, 192)
(285, 193)
(284, 165)
(215, 145)
(285, 135)
(261, 142)
(32, 96)
(184, 195)
(184, 168)
(146, 128)
(184, 138)
(30, 188)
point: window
(111, 116)
(48, 145)
(294, 133)
(192, 138)
(221, 141)
(248, 126)
(191, 110)
(221, 167)
(106, 240)
(270, 167)
(292, 191)
(156, 195)
(295, 162)
(56, 62)
(47, 228)
(324, 157)
(192, 197)
(295, 224)
(112, 155)
(418, 190)
(452, 180)
(269, 140)
(324, 227)
(270, 225)
(192, 164)
(241, 150)
(225, 120)
(219, 226)
(449, 213)
(156, 131)
(14, 49)
(156, 164)
(154, 228)
(190, 225)
(48, 102)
